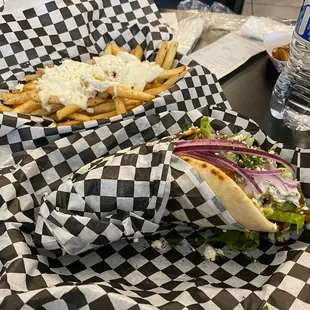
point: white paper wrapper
(277, 39)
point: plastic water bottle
(290, 99)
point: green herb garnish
(237, 240)
(173, 245)
(187, 127)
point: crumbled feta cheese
(239, 137)
(210, 253)
(157, 244)
(219, 252)
(277, 191)
(283, 236)
(83, 80)
(20, 87)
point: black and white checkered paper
(46, 201)
(80, 30)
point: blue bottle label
(303, 22)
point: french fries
(161, 55)
(32, 77)
(115, 100)
(156, 91)
(120, 105)
(174, 79)
(97, 101)
(129, 93)
(172, 50)
(116, 49)
(138, 52)
(79, 117)
(4, 108)
(108, 50)
(27, 107)
(166, 74)
(104, 115)
(104, 107)
(15, 99)
(67, 110)
(30, 86)
(44, 112)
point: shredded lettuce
(232, 156)
(286, 174)
(240, 137)
(245, 160)
(288, 206)
(287, 217)
(237, 240)
(249, 141)
(205, 127)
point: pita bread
(232, 197)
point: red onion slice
(211, 142)
(201, 147)
(289, 183)
(263, 172)
(221, 162)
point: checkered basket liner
(126, 274)
(80, 30)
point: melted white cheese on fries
(76, 82)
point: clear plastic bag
(223, 21)
(202, 7)
(188, 33)
(192, 22)
(220, 8)
(256, 27)
(194, 17)
(193, 5)
(217, 16)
